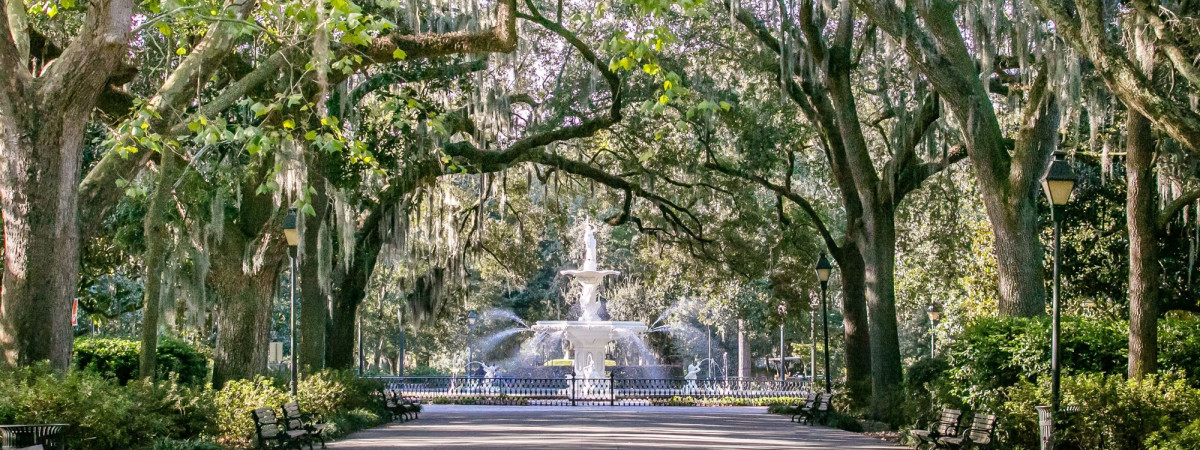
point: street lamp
(1058, 184)
(934, 314)
(293, 239)
(782, 316)
(403, 335)
(471, 318)
(823, 271)
(812, 341)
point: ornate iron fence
(601, 391)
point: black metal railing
(610, 390)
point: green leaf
(181, 51)
(311, 135)
(399, 54)
(289, 124)
(662, 100)
(725, 105)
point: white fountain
(589, 335)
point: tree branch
(1175, 206)
(1084, 28)
(1167, 42)
(784, 192)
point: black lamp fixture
(823, 271)
(1059, 182)
(293, 239)
(289, 228)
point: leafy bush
(101, 413)
(119, 359)
(235, 401)
(1158, 412)
(994, 353)
(924, 381)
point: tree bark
(42, 128)
(156, 243)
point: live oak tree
(45, 107)
(1008, 169)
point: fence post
(612, 389)
(573, 378)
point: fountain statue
(489, 371)
(589, 335)
(692, 370)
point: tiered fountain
(589, 335)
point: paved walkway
(623, 427)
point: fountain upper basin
(588, 326)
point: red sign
(75, 313)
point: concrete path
(623, 427)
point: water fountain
(589, 335)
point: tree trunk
(1142, 220)
(879, 257)
(855, 325)
(246, 291)
(1142, 216)
(1019, 258)
(339, 346)
(43, 122)
(38, 190)
(156, 244)
(314, 298)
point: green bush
(101, 413)
(1158, 412)
(119, 359)
(235, 401)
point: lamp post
(1058, 184)
(400, 361)
(934, 314)
(293, 239)
(782, 315)
(471, 318)
(823, 271)
(812, 341)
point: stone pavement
(594, 427)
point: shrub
(119, 359)
(234, 425)
(101, 413)
(1157, 412)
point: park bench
(271, 435)
(796, 411)
(947, 425)
(47, 436)
(401, 408)
(818, 412)
(977, 436)
(311, 423)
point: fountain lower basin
(589, 338)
